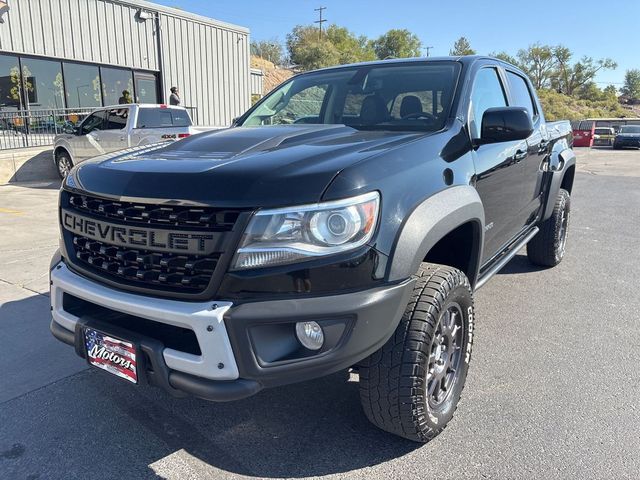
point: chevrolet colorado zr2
(344, 221)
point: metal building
(78, 54)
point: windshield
(630, 129)
(414, 96)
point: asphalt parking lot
(553, 390)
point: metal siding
(257, 82)
(96, 31)
(207, 60)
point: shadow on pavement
(520, 264)
(314, 428)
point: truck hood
(239, 167)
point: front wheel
(64, 164)
(412, 385)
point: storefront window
(82, 85)
(43, 85)
(117, 86)
(10, 92)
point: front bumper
(627, 142)
(242, 348)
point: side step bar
(504, 260)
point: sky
(588, 27)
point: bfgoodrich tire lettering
(548, 246)
(397, 382)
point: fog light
(310, 335)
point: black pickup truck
(344, 221)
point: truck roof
(464, 59)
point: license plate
(115, 355)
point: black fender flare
(560, 162)
(432, 220)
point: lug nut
(210, 328)
(220, 365)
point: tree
(350, 48)
(336, 46)
(610, 91)
(538, 62)
(397, 43)
(462, 47)
(631, 86)
(307, 50)
(269, 50)
(569, 79)
(505, 57)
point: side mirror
(505, 124)
(70, 128)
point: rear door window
(162, 118)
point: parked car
(628, 136)
(583, 132)
(118, 127)
(603, 136)
(345, 221)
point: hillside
(557, 106)
(273, 75)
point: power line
(320, 21)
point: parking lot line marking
(9, 211)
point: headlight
(287, 235)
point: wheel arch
(61, 148)
(446, 228)
(563, 170)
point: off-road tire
(548, 247)
(62, 157)
(394, 380)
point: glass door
(146, 85)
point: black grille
(154, 215)
(140, 267)
(145, 267)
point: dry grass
(273, 75)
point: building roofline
(175, 12)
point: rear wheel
(412, 385)
(548, 246)
(64, 163)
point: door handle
(520, 155)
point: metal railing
(37, 128)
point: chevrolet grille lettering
(195, 243)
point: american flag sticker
(111, 354)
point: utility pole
(320, 21)
(428, 50)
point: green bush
(557, 106)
